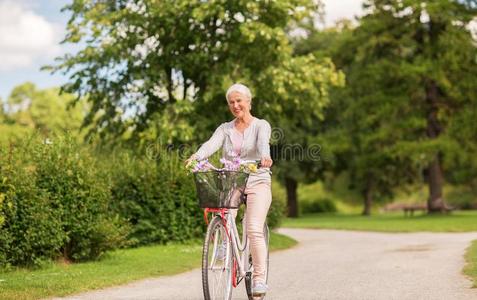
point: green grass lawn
(116, 268)
(457, 221)
(471, 266)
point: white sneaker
(259, 289)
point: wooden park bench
(409, 209)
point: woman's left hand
(266, 162)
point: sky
(31, 32)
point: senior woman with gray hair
(249, 138)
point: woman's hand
(190, 160)
(266, 162)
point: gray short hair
(238, 87)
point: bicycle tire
(249, 275)
(212, 266)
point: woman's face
(239, 104)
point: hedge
(157, 198)
(55, 203)
(61, 199)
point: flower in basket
(238, 165)
(248, 167)
(231, 165)
(252, 168)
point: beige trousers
(259, 198)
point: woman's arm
(212, 145)
(263, 144)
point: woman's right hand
(190, 160)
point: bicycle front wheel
(217, 262)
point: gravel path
(331, 264)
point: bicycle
(226, 258)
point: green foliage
(54, 203)
(169, 63)
(119, 267)
(336, 189)
(458, 221)
(31, 110)
(324, 205)
(156, 196)
(68, 174)
(31, 227)
(60, 199)
(462, 197)
(408, 102)
(277, 210)
(156, 58)
(116, 268)
(471, 263)
(12, 132)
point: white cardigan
(255, 146)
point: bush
(157, 197)
(81, 191)
(58, 199)
(462, 197)
(54, 201)
(31, 227)
(319, 206)
(278, 206)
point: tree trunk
(292, 203)
(435, 203)
(368, 199)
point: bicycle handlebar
(257, 162)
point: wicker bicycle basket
(220, 189)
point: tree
(406, 90)
(2, 111)
(296, 94)
(150, 60)
(45, 111)
(167, 64)
(430, 55)
(353, 133)
(408, 99)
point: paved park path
(331, 264)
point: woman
(247, 137)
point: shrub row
(156, 196)
(322, 205)
(61, 199)
(54, 203)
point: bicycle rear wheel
(217, 262)
(249, 275)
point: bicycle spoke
(217, 255)
(218, 287)
(219, 272)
